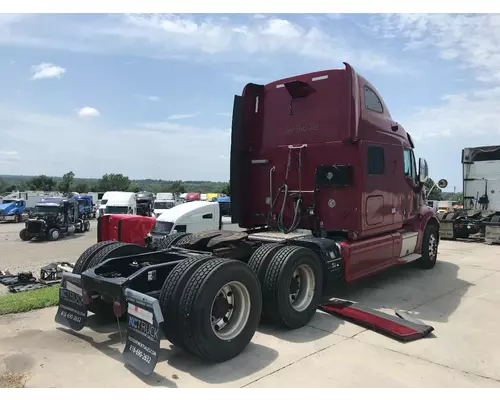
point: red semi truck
(327, 189)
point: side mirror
(442, 183)
(423, 170)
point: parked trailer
(481, 194)
(316, 152)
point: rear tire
(293, 287)
(17, 218)
(84, 259)
(219, 331)
(184, 241)
(171, 240)
(23, 235)
(259, 262)
(171, 293)
(430, 244)
(117, 249)
(86, 226)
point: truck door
(410, 198)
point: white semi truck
(481, 193)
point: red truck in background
(327, 189)
(193, 196)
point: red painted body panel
(125, 228)
(193, 196)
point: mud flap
(403, 326)
(492, 233)
(72, 312)
(446, 229)
(144, 317)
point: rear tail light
(117, 308)
(85, 297)
(460, 226)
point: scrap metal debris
(50, 275)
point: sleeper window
(372, 102)
(376, 160)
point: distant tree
(133, 188)
(10, 188)
(176, 187)
(82, 187)
(41, 182)
(66, 182)
(458, 197)
(436, 192)
(226, 189)
(117, 182)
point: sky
(150, 96)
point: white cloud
(9, 157)
(471, 44)
(171, 150)
(247, 78)
(149, 98)
(88, 112)
(472, 40)
(47, 71)
(255, 38)
(182, 116)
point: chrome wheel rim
(302, 285)
(230, 310)
(55, 234)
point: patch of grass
(27, 301)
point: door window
(409, 164)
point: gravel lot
(19, 256)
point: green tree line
(111, 181)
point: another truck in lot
(85, 205)
(325, 189)
(118, 203)
(481, 197)
(145, 203)
(12, 210)
(53, 218)
(165, 201)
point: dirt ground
(460, 297)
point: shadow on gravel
(254, 358)
(62, 239)
(116, 354)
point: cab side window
(409, 164)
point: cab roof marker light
(280, 86)
(319, 78)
